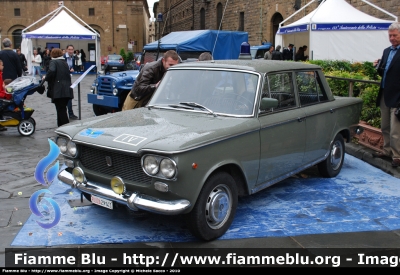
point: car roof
(265, 47)
(257, 65)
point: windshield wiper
(180, 106)
(194, 104)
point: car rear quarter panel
(348, 113)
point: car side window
(310, 88)
(280, 87)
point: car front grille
(105, 85)
(126, 166)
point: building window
(91, 11)
(202, 19)
(219, 16)
(17, 12)
(241, 21)
(297, 4)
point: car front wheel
(332, 165)
(215, 208)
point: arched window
(17, 38)
(219, 15)
(202, 19)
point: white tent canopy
(337, 31)
(63, 29)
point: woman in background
(78, 61)
(46, 59)
(59, 80)
(83, 58)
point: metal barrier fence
(352, 81)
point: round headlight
(150, 165)
(114, 84)
(78, 175)
(168, 168)
(62, 144)
(93, 90)
(71, 148)
(118, 185)
(115, 91)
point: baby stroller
(13, 111)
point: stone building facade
(260, 18)
(124, 22)
(119, 22)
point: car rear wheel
(98, 110)
(215, 208)
(332, 165)
(26, 127)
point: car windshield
(213, 91)
(114, 57)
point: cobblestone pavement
(20, 155)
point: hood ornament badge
(109, 161)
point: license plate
(102, 202)
(114, 68)
(100, 97)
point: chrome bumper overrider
(134, 201)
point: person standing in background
(59, 82)
(268, 54)
(83, 58)
(389, 96)
(78, 61)
(277, 55)
(288, 53)
(11, 61)
(24, 62)
(36, 61)
(46, 59)
(69, 57)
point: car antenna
(219, 28)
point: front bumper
(134, 201)
(104, 100)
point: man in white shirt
(36, 60)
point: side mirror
(268, 103)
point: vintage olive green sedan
(212, 131)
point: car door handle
(300, 119)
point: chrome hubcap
(218, 207)
(336, 155)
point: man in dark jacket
(277, 55)
(148, 79)
(24, 62)
(11, 61)
(288, 52)
(389, 96)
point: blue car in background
(114, 62)
(108, 92)
(259, 51)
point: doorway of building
(275, 21)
